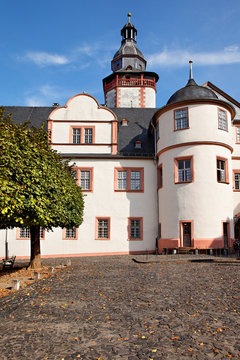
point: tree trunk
(35, 261)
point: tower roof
(191, 91)
(128, 52)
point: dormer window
(138, 144)
(124, 122)
(129, 67)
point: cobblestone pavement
(171, 307)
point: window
(82, 135)
(135, 228)
(122, 180)
(70, 233)
(236, 180)
(181, 119)
(138, 144)
(183, 169)
(129, 179)
(222, 119)
(85, 180)
(238, 134)
(74, 174)
(24, 233)
(124, 122)
(83, 177)
(76, 136)
(102, 228)
(222, 170)
(135, 180)
(88, 136)
(160, 177)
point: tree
(37, 186)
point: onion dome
(191, 91)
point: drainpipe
(156, 162)
(6, 246)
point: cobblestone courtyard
(173, 307)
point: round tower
(194, 147)
(130, 85)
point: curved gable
(82, 107)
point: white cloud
(45, 95)
(177, 58)
(44, 58)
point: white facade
(168, 176)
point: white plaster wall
(61, 131)
(129, 97)
(103, 201)
(81, 107)
(83, 149)
(203, 126)
(205, 201)
(111, 98)
(150, 98)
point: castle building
(166, 178)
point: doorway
(186, 234)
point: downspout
(156, 163)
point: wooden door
(186, 231)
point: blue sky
(54, 49)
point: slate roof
(137, 129)
(192, 91)
(36, 115)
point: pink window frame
(176, 169)
(235, 171)
(64, 235)
(96, 227)
(128, 170)
(78, 181)
(174, 119)
(226, 170)
(82, 135)
(129, 228)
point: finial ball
(190, 61)
(129, 14)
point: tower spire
(190, 71)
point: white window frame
(185, 174)
(222, 120)
(76, 135)
(181, 119)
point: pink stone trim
(82, 134)
(96, 227)
(128, 170)
(129, 228)
(176, 169)
(93, 254)
(91, 171)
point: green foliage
(36, 185)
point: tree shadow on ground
(16, 268)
